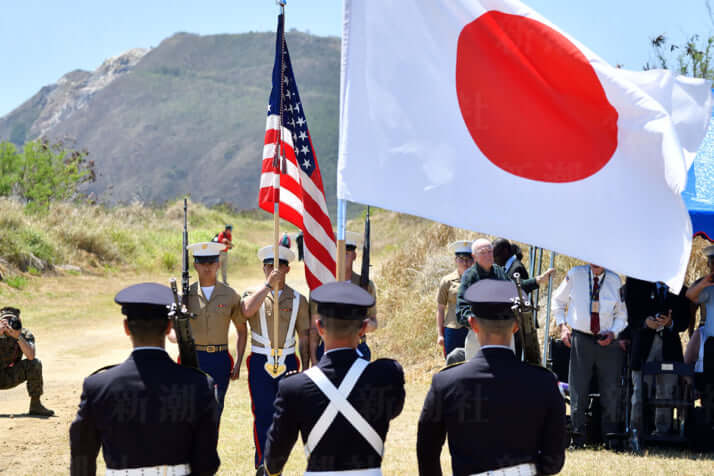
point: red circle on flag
(531, 100)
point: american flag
(301, 194)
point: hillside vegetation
(132, 238)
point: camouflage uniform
(14, 369)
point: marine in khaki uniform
(317, 347)
(216, 306)
(450, 333)
(294, 319)
(16, 342)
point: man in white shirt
(596, 314)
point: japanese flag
(482, 114)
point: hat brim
(205, 259)
(347, 312)
(280, 261)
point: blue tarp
(699, 194)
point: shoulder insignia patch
(451, 366)
(107, 367)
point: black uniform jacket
(147, 411)
(527, 283)
(641, 303)
(497, 412)
(378, 396)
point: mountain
(185, 116)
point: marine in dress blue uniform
(293, 319)
(341, 407)
(479, 404)
(148, 414)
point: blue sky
(40, 40)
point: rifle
(521, 306)
(179, 313)
(364, 277)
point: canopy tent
(699, 194)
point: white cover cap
(352, 238)
(206, 248)
(266, 252)
(461, 246)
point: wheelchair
(682, 405)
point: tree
(9, 167)
(43, 172)
(693, 57)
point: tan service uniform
(215, 315)
(448, 289)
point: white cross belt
(339, 404)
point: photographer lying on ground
(14, 343)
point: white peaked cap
(266, 252)
(461, 246)
(206, 248)
(352, 238)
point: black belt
(212, 348)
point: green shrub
(125, 242)
(93, 241)
(17, 282)
(169, 261)
(38, 245)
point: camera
(659, 295)
(12, 315)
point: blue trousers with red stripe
(218, 365)
(263, 390)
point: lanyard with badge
(595, 298)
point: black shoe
(615, 445)
(37, 409)
(578, 441)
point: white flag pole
(341, 219)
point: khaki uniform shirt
(371, 289)
(10, 352)
(448, 289)
(214, 316)
(285, 303)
